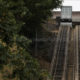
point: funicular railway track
(59, 60)
(77, 52)
(65, 63)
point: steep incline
(60, 57)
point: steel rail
(59, 60)
(76, 52)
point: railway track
(59, 60)
(77, 52)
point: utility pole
(36, 45)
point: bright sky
(74, 3)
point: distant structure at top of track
(75, 16)
(66, 16)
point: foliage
(17, 17)
(38, 12)
(22, 64)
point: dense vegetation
(19, 19)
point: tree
(38, 12)
(17, 16)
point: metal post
(36, 45)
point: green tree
(17, 17)
(38, 12)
